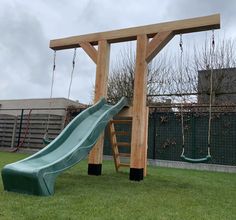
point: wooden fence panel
(7, 130)
(37, 125)
(29, 131)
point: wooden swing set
(150, 41)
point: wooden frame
(129, 34)
(146, 50)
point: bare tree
(121, 79)
(223, 60)
(164, 79)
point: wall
(27, 128)
(224, 81)
(36, 104)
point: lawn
(164, 194)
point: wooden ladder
(117, 155)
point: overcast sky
(26, 28)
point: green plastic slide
(37, 174)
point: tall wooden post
(139, 139)
(102, 70)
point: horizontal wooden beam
(128, 34)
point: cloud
(194, 8)
(27, 26)
(25, 54)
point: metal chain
(51, 90)
(72, 73)
(53, 72)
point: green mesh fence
(168, 137)
(165, 137)
(120, 138)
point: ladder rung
(123, 165)
(123, 144)
(121, 121)
(121, 133)
(124, 154)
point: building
(224, 86)
(39, 106)
(23, 122)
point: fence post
(20, 128)
(14, 132)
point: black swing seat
(197, 160)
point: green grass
(164, 194)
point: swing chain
(54, 60)
(74, 56)
(213, 39)
(51, 90)
(53, 72)
(181, 43)
(72, 73)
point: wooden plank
(5, 145)
(123, 144)
(7, 122)
(3, 116)
(4, 126)
(121, 133)
(42, 131)
(124, 154)
(113, 141)
(128, 34)
(7, 118)
(124, 165)
(5, 140)
(121, 121)
(8, 135)
(33, 145)
(39, 136)
(36, 141)
(157, 43)
(7, 130)
(8, 139)
(102, 71)
(90, 50)
(33, 141)
(40, 122)
(44, 120)
(139, 133)
(43, 117)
